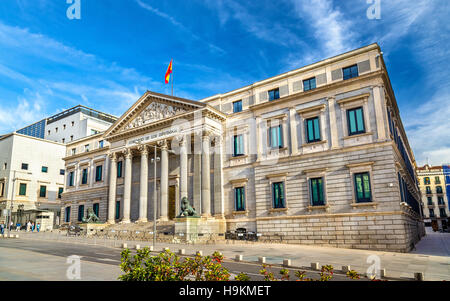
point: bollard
(238, 257)
(383, 273)
(17, 235)
(345, 268)
(418, 276)
(262, 260)
(315, 266)
(138, 247)
(286, 262)
(124, 246)
(199, 253)
(150, 248)
(181, 251)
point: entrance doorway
(172, 190)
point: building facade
(314, 156)
(432, 182)
(31, 173)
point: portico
(180, 132)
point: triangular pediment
(152, 108)
(155, 111)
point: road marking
(108, 259)
(253, 274)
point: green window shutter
(362, 188)
(42, 191)
(360, 120)
(352, 121)
(240, 198)
(280, 136)
(60, 192)
(96, 208)
(119, 169)
(98, 173)
(23, 189)
(316, 186)
(278, 195)
(117, 209)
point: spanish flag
(168, 72)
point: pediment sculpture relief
(154, 112)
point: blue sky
(121, 48)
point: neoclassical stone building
(315, 156)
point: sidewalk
(431, 257)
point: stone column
(206, 176)
(127, 186)
(112, 189)
(164, 182)
(379, 113)
(143, 187)
(197, 189)
(259, 142)
(219, 208)
(333, 125)
(293, 131)
(183, 169)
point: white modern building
(31, 173)
(76, 123)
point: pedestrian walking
(2, 228)
(18, 227)
(38, 227)
(32, 227)
(28, 226)
(10, 226)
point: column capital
(218, 140)
(143, 149)
(112, 156)
(206, 134)
(329, 98)
(163, 144)
(128, 153)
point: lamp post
(155, 160)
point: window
(355, 120)
(237, 106)
(96, 207)
(100, 144)
(44, 169)
(63, 140)
(438, 189)
(86, 148)
(84, 178)
(426, 181)
(98, 173)
(437, 180)
(119, 169)
(350, 72)
(309, 84)
(274, 94)
(80, 213)
(23, 189)
(2, 189)
(60, 192)
(278, 195)
(73, 123)
(56, 130)
(428, 188)
(431, 212)
(312, 130)
(276, 136)
(64, 127)
(238, 145)
(67, 215)
(239, 198)
(71, 178)
(24, 166)
(62, 172)
(316, 190)
(5, 166)
(71, 138)
(73, 151)
(430, 200)
(43, 191)
(48, 132)
(117, 209)
(440, 200)
(442, 212)
(362, 188)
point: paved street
(38, 256)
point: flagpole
(172, 77)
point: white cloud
(174, 22)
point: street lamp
(154, 160)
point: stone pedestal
(198, 230)
(93, 228)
